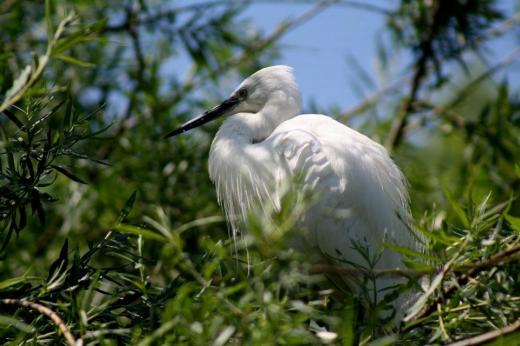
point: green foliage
(477, 285)
(84, 101)
(441, 30)
(30, 163)
(177, 297)
(30, 160)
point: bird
(264, 143)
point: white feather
(362, 193)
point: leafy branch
(441, 27)
(32, 162)
(29, 166)
(467, 270)
(489, 336)
(31, 73)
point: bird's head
(274, 85)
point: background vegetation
(110, 235)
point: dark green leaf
(11, 322)
(63, 170)
(457, 208)
(145, 233)
(37, 207)
(48, 18)
(513, 221)
(10, 115)
(127, 208)
(74, 61)
(61, 262)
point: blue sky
(322, 50)
(319, 49)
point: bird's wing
(304, 167)
(255, 177)
(360, 193)
(301, 158)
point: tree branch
(446, 112)
(488, 336)
(426, 46)
(449, 115)
(42, 309)
(170, 13)
(421, 67)
(468, 271)
(507, 60)
(373, 98)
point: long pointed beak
(208, 116)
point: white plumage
(361, 194)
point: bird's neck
(248, 128)
(243, 128)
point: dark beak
(208, 116)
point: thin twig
(209, 5)
(469, 270)
(507, 60)
(466, 269)
(283, 28)
(331, 269)
(451, 116)
(373, 98)
(171, 13)
(44, 310)
(421, 67)
(400, 122)
(488, 336)
(501, 257)
(504, 26)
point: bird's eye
(242, 93)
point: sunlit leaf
(11, 322)
(145, 233)
(74, 61)
(513, 221)
(15, 281)
(423, 298)
(406, 251)
(19, 83)
(457, 209)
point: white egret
(362, 195)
